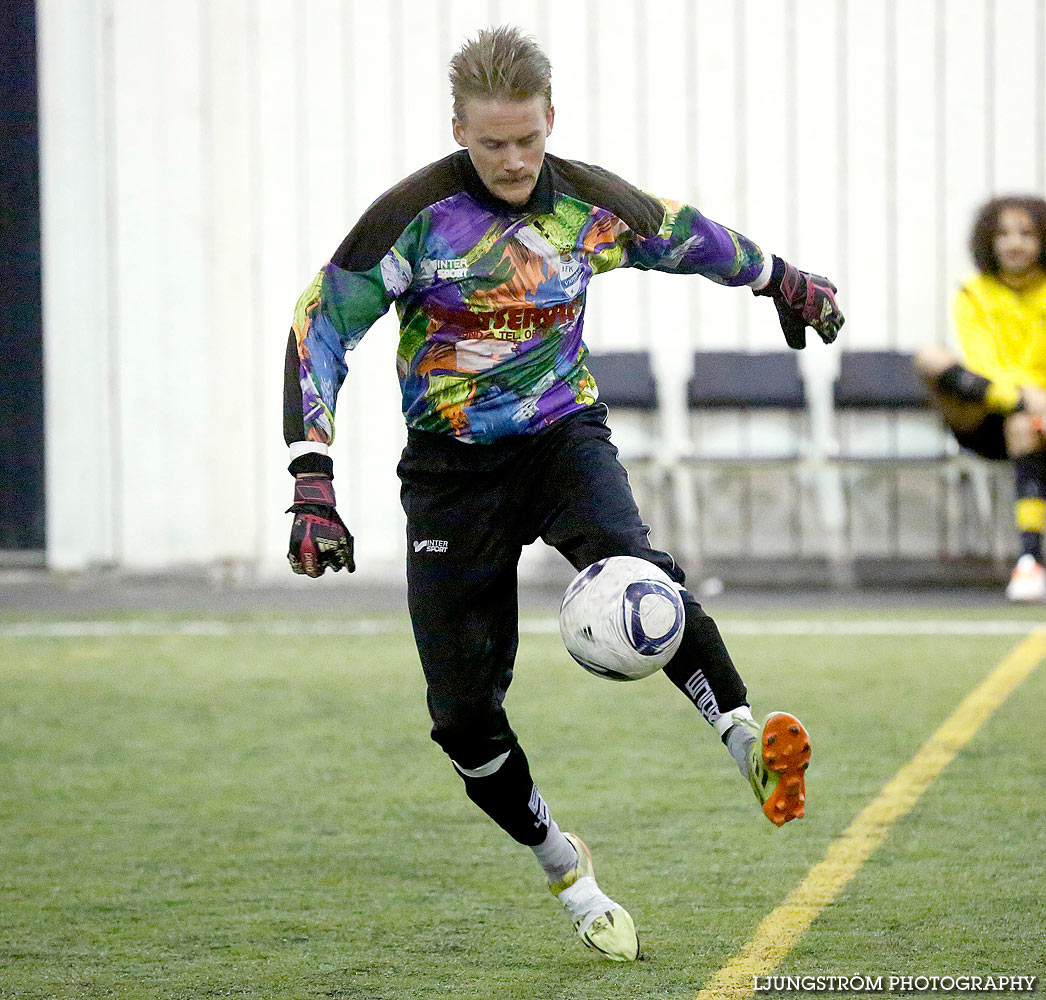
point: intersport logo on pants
(431, 545)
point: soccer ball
(622, 618)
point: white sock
(738, 741)
(555, 853)
(728, 719)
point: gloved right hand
(803, 299)
(319, 538)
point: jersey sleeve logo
(452, 268)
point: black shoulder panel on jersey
(383, 223)
(641, 212)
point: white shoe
(1028, 580)
(601, 923)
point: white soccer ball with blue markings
(622, 618)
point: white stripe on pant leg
(484, 770)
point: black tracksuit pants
(470, 510)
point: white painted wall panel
(423, 93)
(1018, 93)
(575, 77)
(816, 140)
(915, 182)
(966, 129)
(717, 310)
(280, 261)
(213, 155)
(665, 105)
(161, 217)
(370, 433)
(232, 324)
(870, 248)
(767, 208)
(79, 361)
(614, 317)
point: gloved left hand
(803, 299)
(319, 538)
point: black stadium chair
(628, 386)
(872, 380)
(905, 484)
(733, 380)
(749, 434)
(625, 379)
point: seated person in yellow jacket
(994, 396)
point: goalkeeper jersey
(1002, 332)
(490, 297)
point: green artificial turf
(265, 816)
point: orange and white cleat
(777, 763)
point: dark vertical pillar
(21, 330)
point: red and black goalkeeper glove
(319, 538)
(803, 300)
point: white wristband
(299, 448)
(764, 275)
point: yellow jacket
(1002, 333)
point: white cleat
(601, 923)
(1028, 580)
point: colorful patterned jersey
(490, 297)
(1002, 332)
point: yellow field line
(780, 930)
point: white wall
(203, 158)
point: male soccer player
(487, 255)
(994, 397)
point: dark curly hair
(986, 228)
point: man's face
(506, 143)
(1016, 242)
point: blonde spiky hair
(499, 62)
